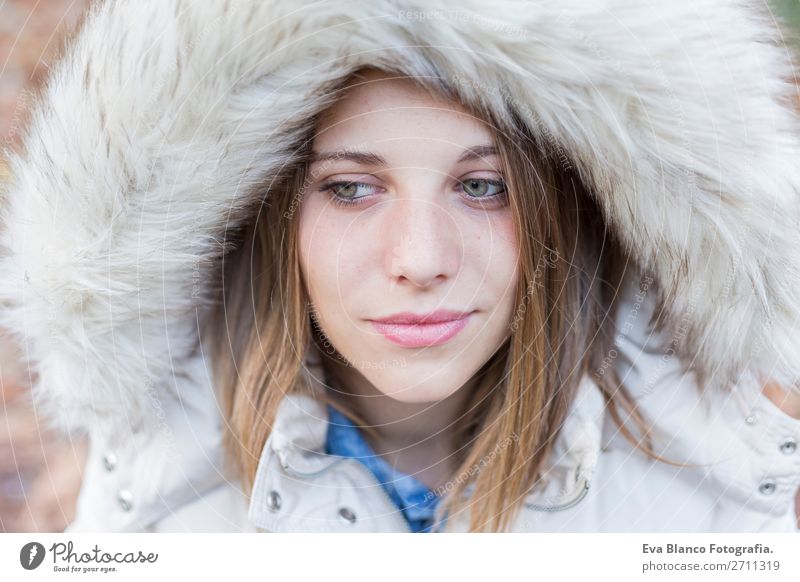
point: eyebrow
(371, 159)
(477, 152)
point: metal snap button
(109, 461)
(274, 500)
(347, 515)
(125, 499)
(788, 446)
(767, 487)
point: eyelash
(340, 202)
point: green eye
(482, 187)
(346, 193)
(347, 190)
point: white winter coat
(162, 117)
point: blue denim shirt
(415, 500)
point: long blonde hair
(571, 270)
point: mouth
(410, 330)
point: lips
(412, 330)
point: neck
(415, 438)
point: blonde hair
(571, 270)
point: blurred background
(40, 473)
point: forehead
(380, 109)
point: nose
(424, 243)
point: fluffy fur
(153, 130)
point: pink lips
(411, 330)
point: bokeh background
(40, 471)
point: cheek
(508, 247)
(329, 265)
(496, 254)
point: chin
(420, 394)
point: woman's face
(424, 226)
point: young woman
(352, 269)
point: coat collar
(295, 468)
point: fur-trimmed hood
(162, 117)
